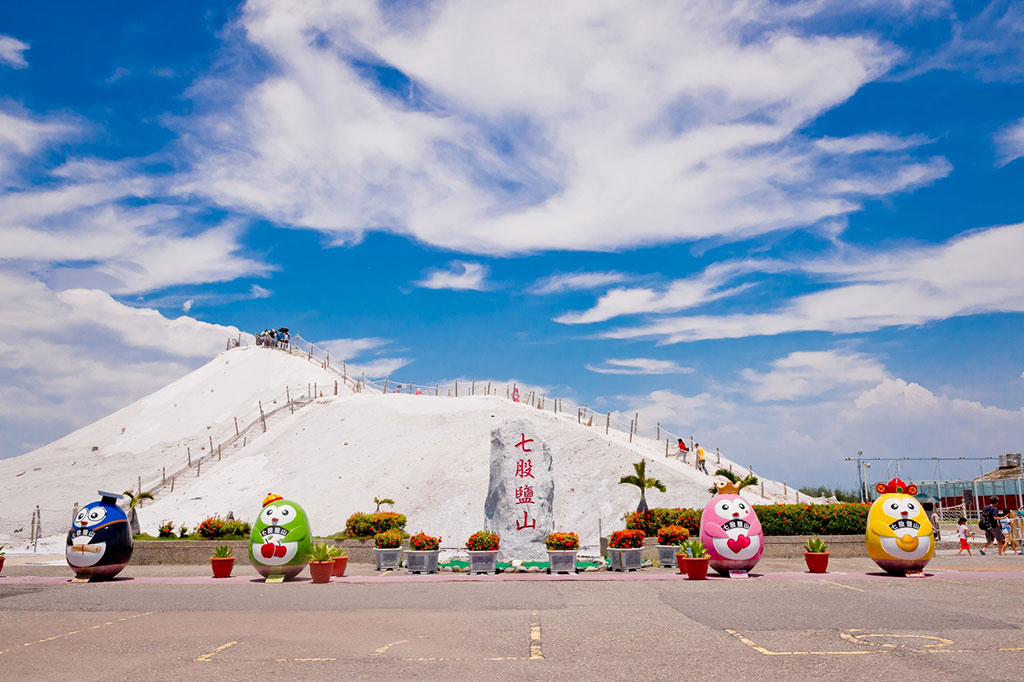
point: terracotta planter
(340, 564)
(1, 563)
(817, 562)
(695, 569)
(222, 566)
(320, 571)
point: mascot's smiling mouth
(735, 523)
(905, 523)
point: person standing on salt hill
(701, 460)
(683, 450)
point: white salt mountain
(521, 490)
(333, 455)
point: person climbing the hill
(701, 460)
(683, 450)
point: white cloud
(12, 52)
(1010, 142)
(616, 128)
(575, 281)
(678, 295)
(806, 374)
(870, 142)
(345, 349)
(377, 369)
(639, 366)
(187, 305)
(70, 357)
(806, 442)
(974, 273)
(460, 276)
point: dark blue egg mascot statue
(100, 541)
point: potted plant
(340, 557)
(222, 561)
(483, 551)
(626, 549)
(321, 562)
(166, 530)
(423, 553)
(692, 559)
(669, 539)
(562, 548)
(1, 557)
(816, 555)
(388, 549)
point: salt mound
(334, 455)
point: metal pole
(860, 480)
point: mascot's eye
(284, 512)
(81, 515)
(894, 506)
(911, 506)
(94, 515)
(269, 512)
(741, 505)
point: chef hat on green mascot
(281, 537)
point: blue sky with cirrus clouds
(792, 229)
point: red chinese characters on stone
(524, 468)
(523, 441)
(524, 494)
(527, 523)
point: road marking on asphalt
(302, 660)
(849, 587)
(536, 653)
(205, 658)
(947, 580)
(382, 650)
(77, 632)
(933, 645)
(768, 652)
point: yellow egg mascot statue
(899, 535)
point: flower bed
(566, 542)
(483, 541)
(776, 519)
(626, 539)
(421, 542)
(672, 535)
(361, 525)
(389, 539)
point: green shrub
(361, 525)
(776, 519)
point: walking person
(962, 529)
(1006, 525)
(701, 460)
(683, 450)
(933, 516)
(993, 530)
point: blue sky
(790, 229)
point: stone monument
(521, 491)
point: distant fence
(561, 407)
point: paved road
(849, 624)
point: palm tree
(135, 500)
(640, 480)
(383, 500)
(741, 483)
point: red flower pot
(1, 563)
(321, 571)
(817, 562)
(340, 564)
(695, 569)
(222, 566)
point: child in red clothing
(962, 530)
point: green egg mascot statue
(280, 540)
